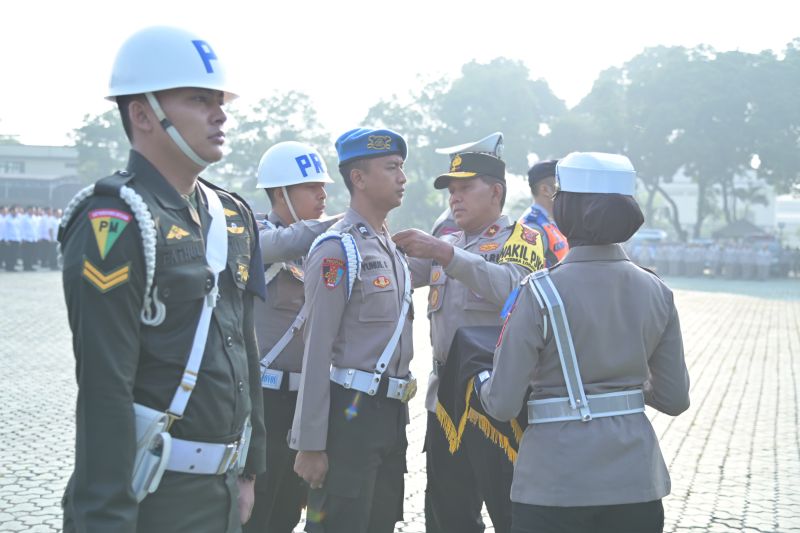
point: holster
(153, 446)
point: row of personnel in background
(28, 235)
(229, 366)
(731, 261)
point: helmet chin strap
(289, 205)
(172, 131)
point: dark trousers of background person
(280, 493)
(363, 491)
(3, 253)
(459, 483)
(645, 517)
(28, 250)
(12, 255)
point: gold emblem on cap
(455, 164)
(379, 142)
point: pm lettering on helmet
(304, 162)
(206, 54)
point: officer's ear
(358, 177)
(141, 116)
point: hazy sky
(56, 56)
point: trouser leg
(363, 491)
(280, 493)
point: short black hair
(271, 195)
(346, 168)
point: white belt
(272, 379)
(191, 457)
(368, 382)
(600, 405)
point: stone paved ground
(734, 456)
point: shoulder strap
(353, 270)
(216, 257)
(544, 290)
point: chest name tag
(271, 379)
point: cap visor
(443, 180)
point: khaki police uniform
(364, 435)
(470, 291)
(626, 336)
(120, 360)
(280, 493)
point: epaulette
(653, 272)
(350, 250)
(116, 185)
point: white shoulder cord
(153, 310)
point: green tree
(497, 96)
(102, 145)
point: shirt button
(209, 284)
(241, 387)
(229, 341)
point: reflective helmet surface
(163, 57)
(291, 163)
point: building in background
(38, 175)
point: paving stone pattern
(734, 456)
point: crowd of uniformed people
(745, 259)
(236, 369)
(28, 237)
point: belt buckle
(409, 391)
(229, 457)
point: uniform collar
(491, 231)
(600, 252)
(275, 219)
(538, 208)
(363, 228)
(164, 193)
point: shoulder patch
(332, 271)
(230, 212)
(102, 281)
(524, 248)
(107, 225)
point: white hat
(163, 57)
(491, 144)
(595, 172)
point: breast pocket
(475, 302)
(178, 285)
(378, 298)
(285, 292)
(239, 258)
